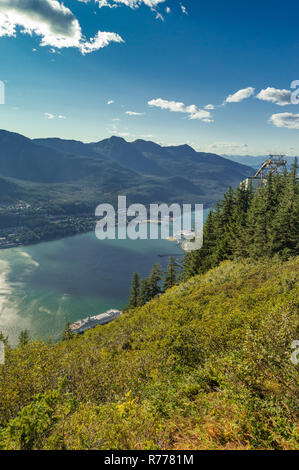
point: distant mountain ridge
(254, 161)
(145, 171)
(145, 157)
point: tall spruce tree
(224, 243)
(198, 261)
(144, 292)
(24, 338)
(3, 338)
(171, 274)
(134, 294)
(242, 199)
(257, 239)
(155, 279)
(284, 235)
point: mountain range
(65, 172)
(256, 161)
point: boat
(87, 323)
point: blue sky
(216, 75)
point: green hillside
(207, 365)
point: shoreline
(13, 245)
(23, 245)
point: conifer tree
(67, 333)
(3, 347)
(250, 224)
(155, 279)
(224, 241)
(144, 292)
(242, 199)
(24, 338)
(198, 261)
(134, 294)
(257, 240)
(171, 275)
(3, 338)
(284, 233)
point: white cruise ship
(81, 326)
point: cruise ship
(81, 326)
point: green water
(42, 287)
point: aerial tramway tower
(274, 164)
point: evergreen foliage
(24, 338)
(251, 225)
(171, 277)
(135, 291)
(67, 332)
(155, 280)
(144, 292)
(3, 338)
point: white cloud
(227, 147)
(274, 95)
(177, 107)
(152, 4)
(110, 102)
(159, 16)
(173, 106)
(53, 116)
(53, 22)
(123, 134)
(210, 106)
(240, 95)
(129, 3)
(101, 39)
(201, 114)
(54, 51)
(134, 113)
(49, 115)
(115, 131)
(146, 136)
(184, 9)
(288, 120)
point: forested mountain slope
(72, 172)
(251, 224)
(209, 364)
